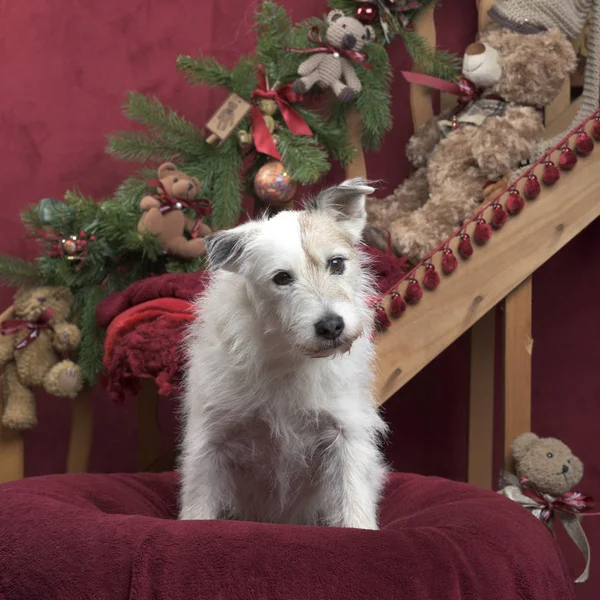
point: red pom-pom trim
(499, 216)
(382, 321)
(397, 305)
(596, 128)
(414, 292)
(449, 261)
(483, 232)
(514, 202)
(532, 187)
(465, 248)
(568, 159)
(432, 278)
(551, 173)
(584, 143)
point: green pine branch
(436, 63)
(18, 272)
(204, 70)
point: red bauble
(514, 202)
(483, 232)
(449, 261)
(568, 159)
(499, 216)
(382, 321)
(532, 187)
(596, 128)
(432, 278)
(551, 173)
(584, 143)
(465, 248)
(414, 292)
(397, 305)
(367, 13)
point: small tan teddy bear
(163, 214)
(513, 76)
(345, 37)
(32, 346)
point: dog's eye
(549, 455)
(282, 278)
(175, 179)
(337, 265)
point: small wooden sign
(228, 117)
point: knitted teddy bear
(511, 77)
(32, 348)
(163, 214)
(546, 473)
(345, 38)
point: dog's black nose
(330, 327)
(565, 469)
(348, 42)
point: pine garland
(18, 272)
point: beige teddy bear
(514, 76)
(32, 348)
(345, 36)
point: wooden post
(148, 430)
(357, 167)
(82, 427)
(481, 403)
(518, 347)
(11, 454)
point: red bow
(314, 35)
(169, 203)
(570, 502)
(263, 140)
(13, 326)
(466, 90)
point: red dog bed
(113, 537)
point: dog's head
(304, 273)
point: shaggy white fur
(280, 423)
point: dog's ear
(225, 248)
(346, 202)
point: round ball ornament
(367, 13)
(274, 185)
(70, 245)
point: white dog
(280, 423)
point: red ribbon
(263, 140)
(169, 203)
(570, 502)
(13, 326)
(466, 90)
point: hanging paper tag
(228, 117)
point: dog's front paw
(194, 513)
(361, 523)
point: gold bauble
(244, 137)
(273, 184)
(267, 106)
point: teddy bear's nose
(474, 49)
(348, 41)
(565, 469)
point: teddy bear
(509, 77)
(345, 38)
(33, 345)
(163, 215)
(546, 473)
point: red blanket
(146, 322)
(113, 537)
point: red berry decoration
(483, 232)
(568, 159)
(596, 129)
(397, 305)
(551, 173)
(449, 261)
(465, 248)
(584, 143)
(432, 277)
(367, 12)
(414, 292)
(499, 216)
(532, 187)
(514, 202)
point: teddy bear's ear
(166, 169)
(522, 445)
(369, 33)
(62, 294)
(563, 54)
(334, 15)
(196, 182)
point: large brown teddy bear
(165, 218)
(455, 156)
(32, 348)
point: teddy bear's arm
(66, 337)
(203, 229)
(350, 76)
(6, 349)
(310, 64)
(425, 139)
(502, 143)
(149, 202)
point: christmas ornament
(449, 261)
(483, 232)
(551, 173)
(397, 305)
(499, 216)
(568, 159)
(514, 202)
(532, 187)
(596, 128)
(414, 292)
(382, 321)
(432, 278)
(48, 207)
(274, 185)
(465, 248)
(584, 143)
(367, 13)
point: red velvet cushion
(112, 537)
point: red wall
(64, 77)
